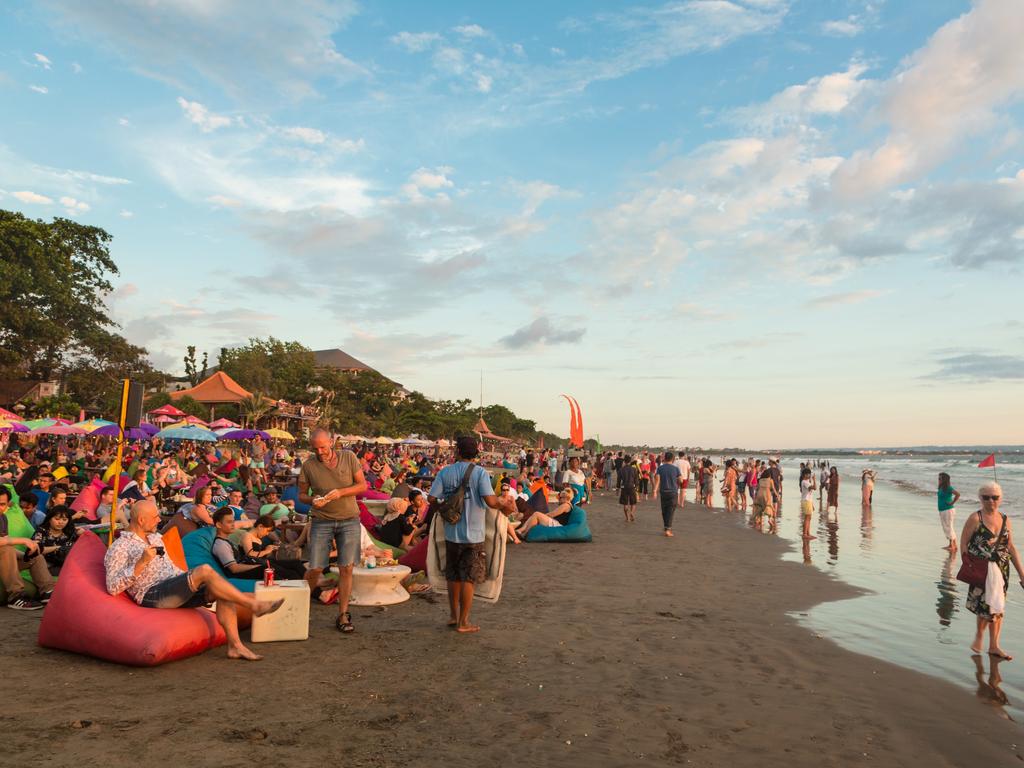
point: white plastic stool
(379, 586)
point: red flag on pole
(988, 462)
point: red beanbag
(415, 558)
(373, 495)
(83, 618)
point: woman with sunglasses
(987, 534)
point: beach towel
(496, 536)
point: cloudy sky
(716, 222)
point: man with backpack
(465, 558)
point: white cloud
(201, 116)
(827, 95)
(307, 135)
(436, 178)
(415, 42)
(43, 60)
(842, 298)
(76, 67)
(32, 197)
(223, 202)
(848, 27)
(126, 214)
(123, 121)
(484, 83)
(947, 91)
(470, 30)
(256, 50)
(74, 206)
(39, 88)
(450, 60)
(557, 52)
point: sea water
(913, 613)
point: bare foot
(241, 652)
(466, 628)
(669, 534)
(263, 607)
(999, 653)
(976, 650)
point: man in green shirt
(329, 481)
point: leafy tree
(283, 369)
(53, 279)
(56, 406)
(195, 374)
(254, 408)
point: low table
(291, 620)
(379, 586)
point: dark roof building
(336, 358)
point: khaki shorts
(807, 508)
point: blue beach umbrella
(187, 433)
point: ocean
(913, 613)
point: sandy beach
(635, 649)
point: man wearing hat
(466, 565)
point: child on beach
(947, 497)
(807, 487)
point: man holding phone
(329, 481)
(136, 563)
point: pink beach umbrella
(164, 419)
(58, 429)
(223, 424)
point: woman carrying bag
(988, 549)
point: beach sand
(632, 650)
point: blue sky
(767, 223)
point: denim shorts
(175, 592)
(342, 534)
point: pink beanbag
(369, 522)
(83, 618)
(374, 495)
(88, 500)
(416, 558)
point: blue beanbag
(291, 493)
(576, 529)
(198, 547)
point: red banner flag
(989, 462)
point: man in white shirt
(684, 478)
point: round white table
(379, 586)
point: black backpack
(451, 508)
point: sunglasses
(989, 498)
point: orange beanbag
(83, 618)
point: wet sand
(635, 649)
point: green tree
(284, 369)
(53, 279)
(194, 373)
(56, 406)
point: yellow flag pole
(117, 462)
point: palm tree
(254, 408)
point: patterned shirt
(120, 562)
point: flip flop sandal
(345, 627)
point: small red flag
(989, 462)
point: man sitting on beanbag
(136, 563)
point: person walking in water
(948, 497)
(807, 500)
(867, 486)
(833, 490)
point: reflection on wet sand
(989, 690)
(945, 605)
(807, 552)
(866, 526)
(828, 529)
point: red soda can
(268, 576)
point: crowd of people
(236, 490)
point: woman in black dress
(629, 477)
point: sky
(758, 223)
